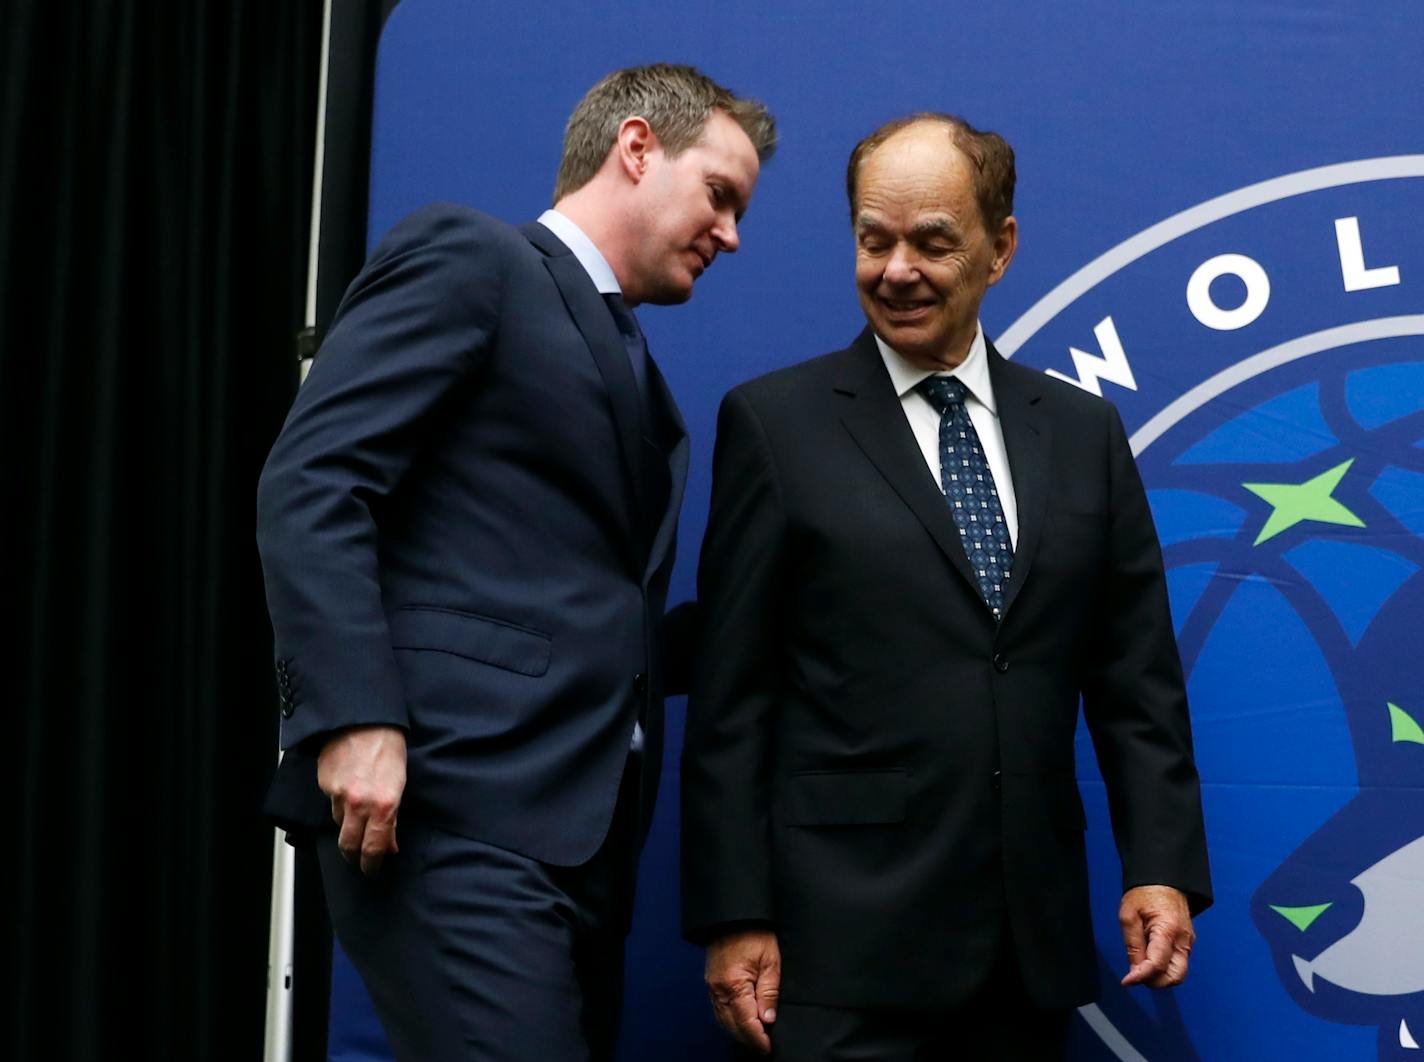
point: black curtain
(155, 185)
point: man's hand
(743, 978)
(1157, 931)
(362, 770)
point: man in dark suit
(466, 528)
(919, 557)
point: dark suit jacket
(467, 526)
(873, 766)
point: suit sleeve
(726, 871)
(412, 328)
(1135, 701)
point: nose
(900, 267)
(724, 232)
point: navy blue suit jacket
(467, 526)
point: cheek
(951, 279)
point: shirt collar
(973, 371)
(588, 255)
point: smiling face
(688, 210)
(923, 258)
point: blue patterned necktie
(969, 489)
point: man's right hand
(744, 979)
(362, 770)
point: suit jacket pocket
(490, 641)
(871, 797)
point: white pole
(277, 1038)
(277, 1041)
(318, 167)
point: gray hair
(989, 154)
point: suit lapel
(595, 323)
(1027, 438)
(872, 413)
(671, 450)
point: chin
(911, 345)
(901, 338)
(671, 295)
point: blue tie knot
(943, 392)
(622, 316)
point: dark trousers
(472, 952)
(998, 1023)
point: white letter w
(1112, 366)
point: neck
(942, 361)
(600, 219)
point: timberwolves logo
(1266, 349)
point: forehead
(917, 171)
(724, 145)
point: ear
(636, 143)
(1005, 244)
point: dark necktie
(634, 340)
(969, 489)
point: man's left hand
(1157, 931)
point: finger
(1134, 941)
(1138, 973)
(724, 1015)
(353, 829)
(1173, 970)
(379, 840)
(768, 990)
(750, 1031)
(1160, 939)
(739, 1017)
(1176, 971)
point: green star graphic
(1311, 500)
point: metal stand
(277, 1039)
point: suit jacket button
(640, 684)
(1001, 663)
(995, 780)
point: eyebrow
(928, 227)
(935, 227)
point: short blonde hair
(675, 100)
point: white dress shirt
(601, 273)
(973, 372)
(589, 256)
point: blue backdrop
(1221, 230)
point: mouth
(905, 310)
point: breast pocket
(498, 643)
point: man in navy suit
(919, 556)
(467, 528)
